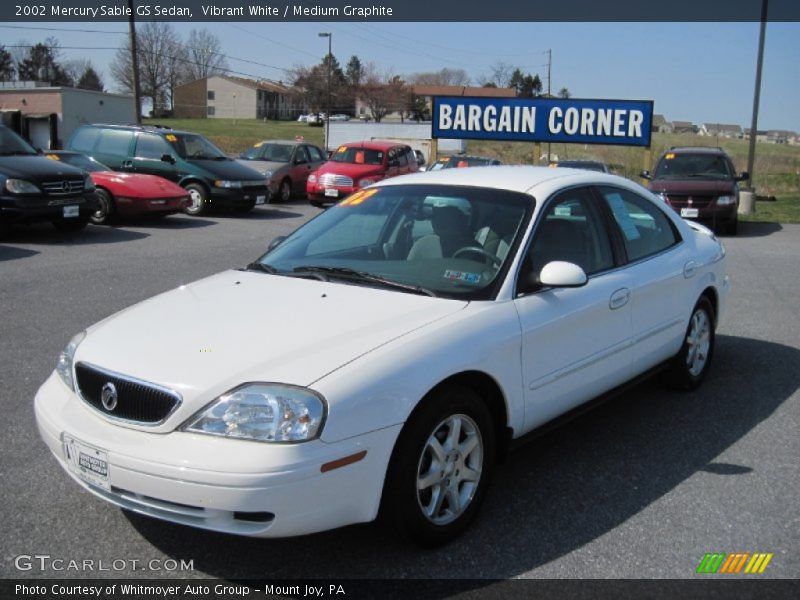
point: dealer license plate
(71, 212)
(87, 462)
(332, 193)
(689, 212)
(261, 199)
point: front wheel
(199, 197)
(285, 191)
(105, 207)
(688, 368)
(441, 467)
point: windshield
(459, 162)
(269, 152)
(688, 166)
(586, 165)
(450, 241)
(11, 143)
(81, 161)
(358, 156)
(193, 146)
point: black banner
(398, 10)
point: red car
(356, 165)
(126, 193)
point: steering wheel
(478, 250)
(196, 154)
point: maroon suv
(700, 184)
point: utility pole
(137, 94)
(328, 35)
(751, 155)
(549, 95)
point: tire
(690, 365)
(285, 190)
(199, 196)
(105, 213)
(72, 224)
(434, 487)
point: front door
(151, 150)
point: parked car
(126, 194)
(444, 315)
(340, 117)
(284, 164)
(33, 188)
(356, 165)
(461, 161)
(185, 158)
(587, 165)
(701, 184)
(302, 118)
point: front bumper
(320, 194)
(233, 486)
(711, 215)
(31, 209)
(138, 206)
(236, 198)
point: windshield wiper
(264, 268)
(17, 153)
(353, 275)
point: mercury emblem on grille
(108, 396)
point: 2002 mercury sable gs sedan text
(438, 316)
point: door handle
(619, 298)
(127, 164)
(689, 269)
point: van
(186, 158)
(34, 188)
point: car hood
(205, 338)
(36, 168)
(228, 169)
(692, 186)
(262, 166)
(137, 185)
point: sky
(698, 72)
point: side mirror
(562, 275)
(743, 176)
(300, 161)
(645, 175)
(168, 158)
(275, 243)
(394, 163)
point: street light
(328, 35)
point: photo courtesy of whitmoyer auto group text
(400, 299)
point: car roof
(466, 156)
(373, 144)
(695, 150)
(144, 128)
(287, 142)
(517, 178)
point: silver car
(285, 164)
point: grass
(786, 209)
(777, 166)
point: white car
(385, 354)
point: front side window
(316, 154)
(194, 147)
(645, 229)
(454, 241)
(572, 230)
(151, 146)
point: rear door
(114, 148)
(148, 157)
(300, 169)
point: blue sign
(619, 122)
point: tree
(564, 93)
(441, 77)
(90, 80)
(7, 68)
(354, 72)
(204, 56)
(419, 109)
(526, 86)
(501, 74)
(311, 85)
(41, 64)
(161, 58)
(385, 93)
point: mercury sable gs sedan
(383, 356)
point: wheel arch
(711, 293)
(193, 179)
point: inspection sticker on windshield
(171, 138)
(358, 197)
(462, 276)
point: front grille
(63, 187)
(683, 201)
(136, 401)
(333, 179)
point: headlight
(726, 200)
(267, 175)
(88, 184)
(312, 178)
(222, 183)
(365, 182)
(264, 412)
(663, 197)
(20, 186)
(64, 365)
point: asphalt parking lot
(642, 487)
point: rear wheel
(105, 209)
(440, 467)
(688, 368)
(199, 196)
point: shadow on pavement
(92, 234)
(11, 253)
(748, 229)
(550, 497)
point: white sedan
(384, 355)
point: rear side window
(114, 141)
(645, 229)
(84, 138)
(316, 153)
